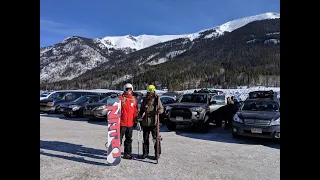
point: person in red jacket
(129, 112)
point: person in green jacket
(150, 107)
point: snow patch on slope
(238, 23)
(122, 79)
(168, 56)
(272, 41)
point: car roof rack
(214, 92)
(270, 94)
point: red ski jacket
(129, 110)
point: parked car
(165, 100)
(258, 118)
(95, 111)
(172, 94)
(52, 103)
(192, 108)
(45, 94)
(76, 107)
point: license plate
(256, 130)
(87, 113)
(178, 118)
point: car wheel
(56, 111)
(67, 115)
(91, 119)
(203, 127)
(218, 123)
(171, 126)
(236, 136)
(80, 114)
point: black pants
(146, 134)
(231, 111)
(228, 123)
(127, 131)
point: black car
(76, 107)
(165, 101)
(95, 111)
(258, 118)
(52, 104)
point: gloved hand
(138, 126)
(139, 119)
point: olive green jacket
(150, 111)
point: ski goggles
(128, 89)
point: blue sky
(98, 18)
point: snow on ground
(73, 148)
(241, 92)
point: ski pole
(139, 130)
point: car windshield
(57, 95)
(44, 94)
(260, 106)
(219, 99)
(104, 100)
(82, 99)
(195, 98)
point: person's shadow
(83, 154)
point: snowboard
(113, 122)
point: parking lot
(73, 148)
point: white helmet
(126, 86)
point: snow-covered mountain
(135, 42)
(144, 41)
(76, 55)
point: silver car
(191, 109)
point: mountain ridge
(77, 56)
